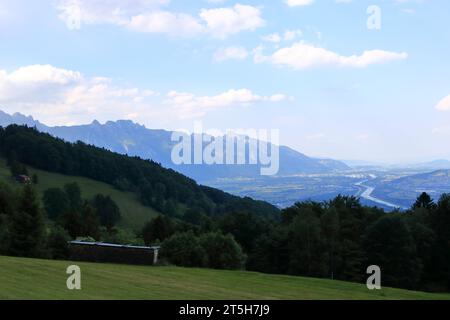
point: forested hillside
(165, 190)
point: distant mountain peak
(128, 137)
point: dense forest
(336, 239)
(165, 190)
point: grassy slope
(44, 279)
(134, 214)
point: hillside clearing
(134, 214)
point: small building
(112, 253)
(24, 179)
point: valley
(387, 189)
(300, 177)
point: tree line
(335, 239)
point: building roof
(111, 245)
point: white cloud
(65, 97)
(223, 22)
(230, 53)
(177, 24)
(101, 11)
(189, 105)
(444, 104)
(289, 35)
(302, 56)
(60, 96)
(299, 3)
(148, 16)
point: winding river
(366, 193)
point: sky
(343, 79)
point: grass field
(45, 279)
(134, 214)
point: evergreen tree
(107, 210)
(56, 203)
(306, 246)
(159, 228)
(424, 201)
(73, 193)
(390, 245)
(27, 235)
(91, 221)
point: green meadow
(22, 278)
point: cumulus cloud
(176, 24)
(230, 53)
(223, 22)
(289, 35)
(444, 104)
(149, 16)
(299, 3)
(60, 96)
(301, 56)
(188, 105)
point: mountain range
(127, 137)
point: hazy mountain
(405, 190)
(439, 164)
(129, 138)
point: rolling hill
(45, 279)
(134, 214)
(165, 190)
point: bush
(184, 249)
(3, 233)
(222, 252)
(121, 236)
(57, 243)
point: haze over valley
(300, 178)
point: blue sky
(313, 69)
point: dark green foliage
(91, 221)
(57, 243)
(7, 200)
(194, 216)
(15, 166)
(424, 201)
(184, 249)
(440, 261)
(56, 203)
(4, 233)
(121, 236)
(73, 193)
(271, 254)
(222, 252)
(160, 228)
(26, 231)
(72, 221)
(389, 244)
(245, 226)
(307, 255)
(107, 210)
(211, 250)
